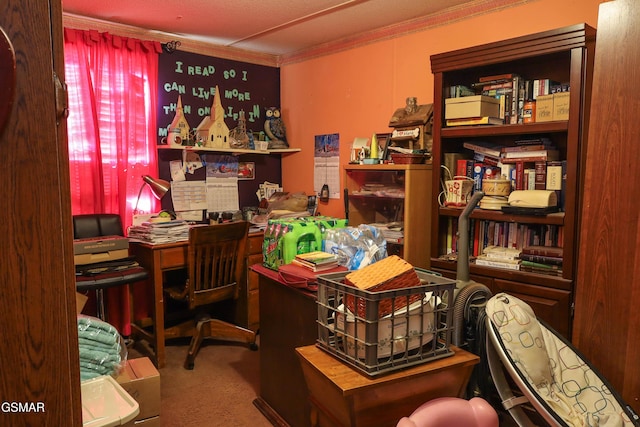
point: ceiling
(273, 27)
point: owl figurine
(275, 130)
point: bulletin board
(243, 86)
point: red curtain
(112, 90)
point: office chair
(99, 225)
(215, 268)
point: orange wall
(355, 92)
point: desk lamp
(159, 187)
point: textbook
(316, 260)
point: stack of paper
(160, 232)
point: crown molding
(186, 44)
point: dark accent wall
(243, 86)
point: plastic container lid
(105, 403)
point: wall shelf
(234, 151)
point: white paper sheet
(222, 194)
(188, 195)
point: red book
(552, 251)
(520, 176)
(541, 175)
(521, 148)
(496, 77)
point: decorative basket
(403, 159)
(385, 275)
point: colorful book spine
(552, 251)
(497, 264)
(478, 174)
(540, 176)
(556, 179)
(541, 259)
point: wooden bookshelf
(564, 55)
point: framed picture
(383, 143)
(246, 170)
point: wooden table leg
(158, 311)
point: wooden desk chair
(215, 268)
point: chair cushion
(521, 334)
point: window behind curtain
(112, 90)
(112, 85)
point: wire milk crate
(418, 332)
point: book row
(486, 233)
(523, 174)
(520, 100)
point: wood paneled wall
(607, 321)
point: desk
(159, 259)
(341, 396)
(287, 320)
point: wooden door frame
(40, 380)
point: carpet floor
(219, 391)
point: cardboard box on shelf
(472, 106)
(544, 108)
(141, 380)
(561, 105)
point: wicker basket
(403, 159)
(387, 274)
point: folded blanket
(97, 330)
(98, 356)
(97, 345)
(99, 348)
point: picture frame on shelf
(383, 143)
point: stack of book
(393, 232)
(500, 257)
(160, 232)
(542, 259)
(316, 261)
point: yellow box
(471, 106)
(544, 108)
(561, 105)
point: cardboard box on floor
(141, 380)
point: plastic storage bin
(419, 332)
